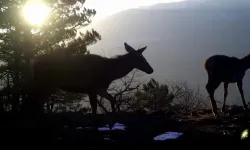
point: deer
(225, 69)
(89, 73)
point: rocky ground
(131, 130)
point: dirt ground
(70, 130)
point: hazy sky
(108, 7)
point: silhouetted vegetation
(132, 94)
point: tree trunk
(8, 88)
(16, 73)
(1, 103)
(27, 47)
(15, 93)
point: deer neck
(121, 66)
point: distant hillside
(204, 4)
(180, 36)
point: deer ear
(129, 48)
(141, 49)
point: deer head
(138, 60)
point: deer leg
(211, 86)
(112, 100)
(225, 96)
(109, 97)
(93, 103)
(239, 86)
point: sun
(35, 12)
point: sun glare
(35, 12)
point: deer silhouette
(90, 74)
(221, 68)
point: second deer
(221, 68)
